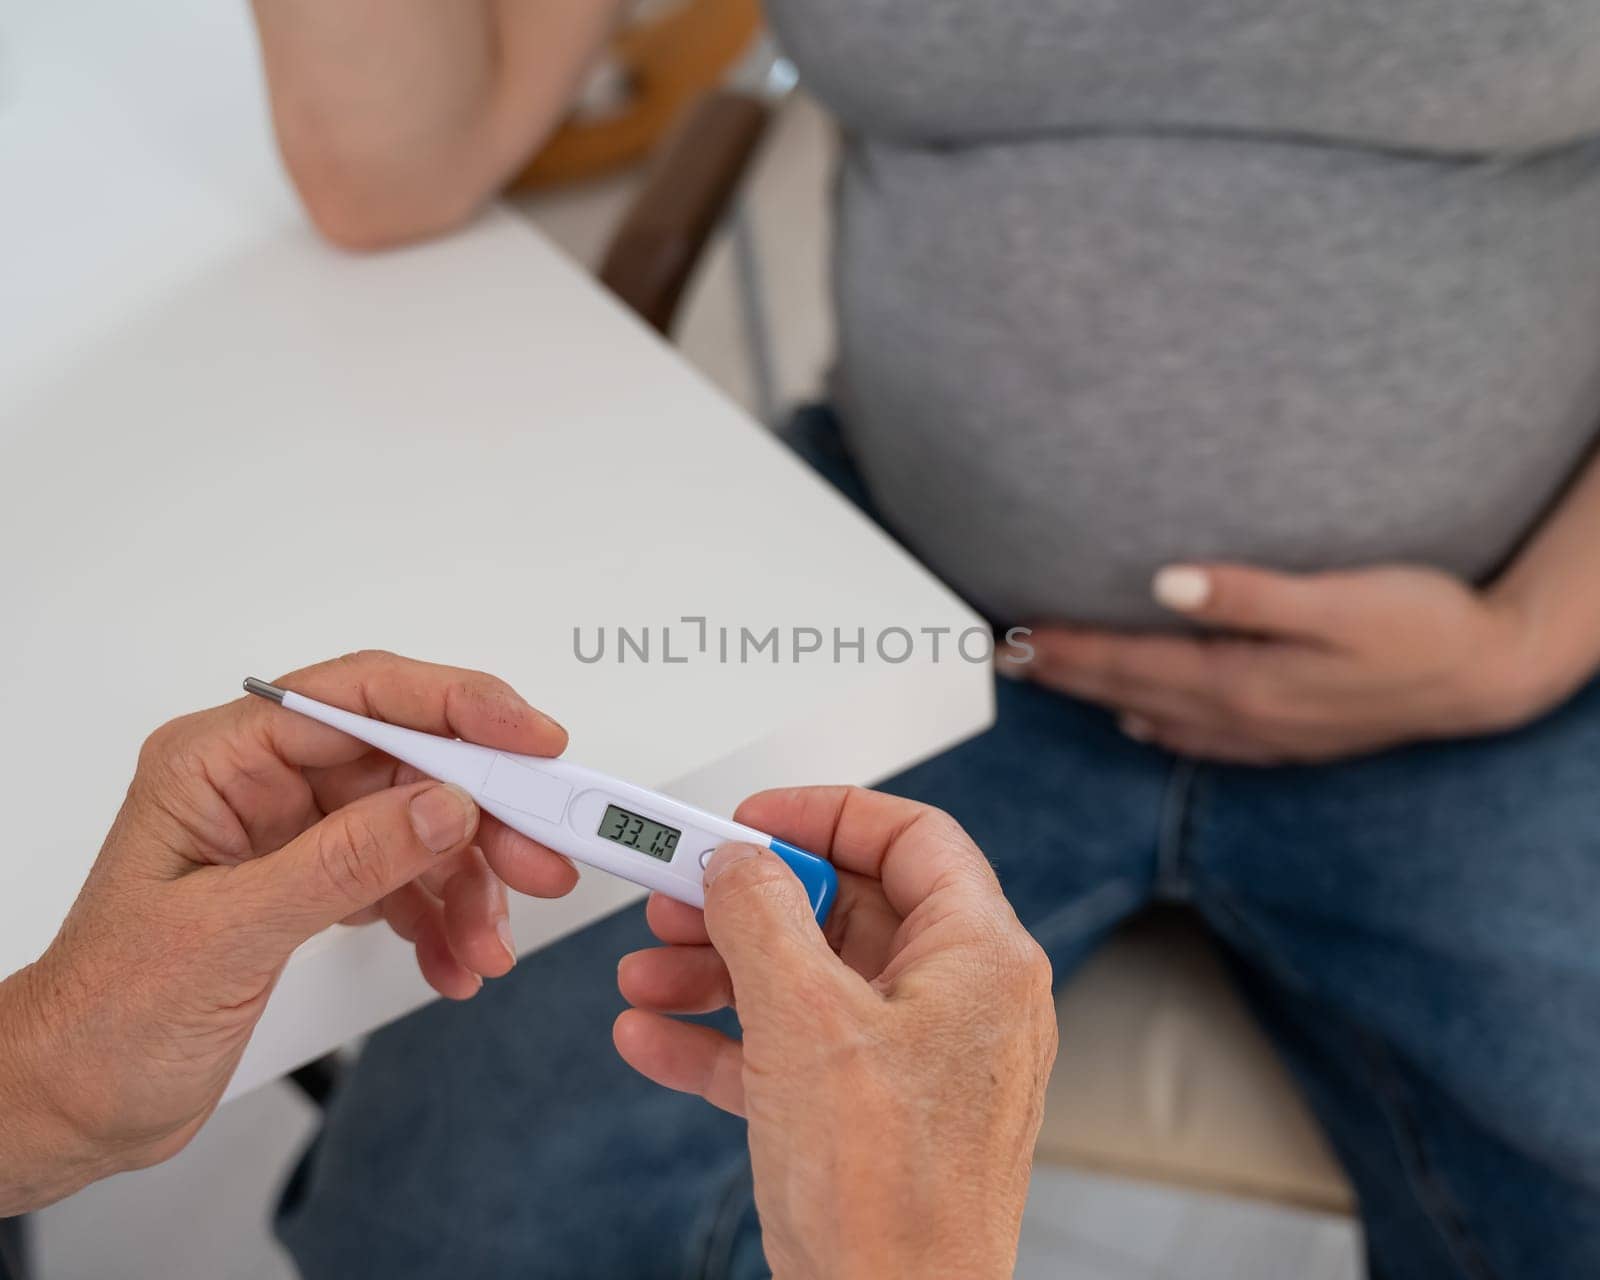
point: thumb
(352, 859)
(760, 922)
(1250, 599)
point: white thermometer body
(590, 817)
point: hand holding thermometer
(642, 836)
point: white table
(226, 449)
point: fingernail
(1009, 663)
(726, 855)
(519, 704)
(443, 816)
(502, 926)
(1181, 587)
(1140, 730)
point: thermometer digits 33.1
(600, 821)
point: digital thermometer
(642, 836)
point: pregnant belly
(1065, 364)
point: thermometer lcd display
(634, 832)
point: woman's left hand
(246, 830)
(1306, 667)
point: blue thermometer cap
(817, 874)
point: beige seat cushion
(1163, 1075)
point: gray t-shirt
(1121, 282)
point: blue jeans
(1419, 931)
(13, 1249)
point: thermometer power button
(705, 856)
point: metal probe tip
(263, 690)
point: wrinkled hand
(1305, 667)
(246, 830)
(894, 1089)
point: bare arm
(398, 118)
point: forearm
(397, 118)
(899, 1203)
(42, 1158)
(1553, 587)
